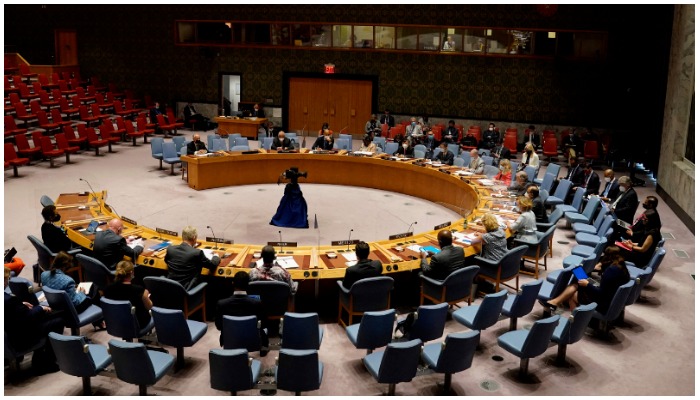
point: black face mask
(646, 206)
(56, 217)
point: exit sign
(330, 68)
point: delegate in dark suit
(240, 305)
(500, 152)
(445, 157)
(387, 119)
(611, 190)
(111, 248)
(592, 184)
(363, 269)
(54, 238)
(185, 263)
(322, 144)
(626, 206)
(448, 260)
(26, 326)
(281, 144)
(193, 147)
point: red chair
(44, 81)
(11, 128)
(130, 97)
(67, 109)
(16, 80)
(120, 111)
(84, 98)
(47, 102)
(96, 83)
(165, 126)
(86, 117)
(177, 122)
(55, 78)
(65, 90)
(142, 126)
(148, 101)
(91, 91)
(49, 151)
(549, 147)
(8, 86)
(26, 72)
(113, 88)
(25, 93)
(590, 150)
(108, 132)
(95, 142)
(476, 132)
(36, 87)
(128, 126)
(57, 118)
(35, 106)
(130, 104)
(97, 111)
(511, 143)
(103, 104)
(24, 149)
(45, 124)
(21, 113)
(12, 160)
(397, 130)
(72, 139)
(62, 144)
(437, 132)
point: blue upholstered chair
(527, 344)
(167, 293)
(157, 150)
(374, 330)
(586, 216)
(391, 148)
(301, 331)
(429, 323)
(453, 355)
(520, 304)
(617, 305)
(369, 294)
(531, 173)
(547, 182)
(241, 333)
(550, 290)
(46, 256)
(240, 148)
(571, 329)
(60, 302)
(398, 363)
(78, 358)
(120, 317)
(483, 315)
(174, 330)
(276, 297)
(298, 370)
(135, 364)
(538, 250)
(552, 168)
(654, 263)
(232, 370)
(267, 142)
(586, 227)
(241, 141)
(576, 201)
(457, 287)
(46, 201)
(210, 140)
(96, 272)
(559, 194)
(170, 156)
(503, 270)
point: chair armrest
(524, 242)
(75, 251)
(483, 261)
(342, 288)
(431, 280)
(197, 289)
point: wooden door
(66, 42)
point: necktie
(587, 179)
(607, 188)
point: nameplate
(345, 242)
(218, 240)
(129, 220)
(443, 225)
(166, 232)
(400, 235)
(282, 244)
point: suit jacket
(363, 269)
(489, 139)
(445, 158)
(240, 305)
(154, 115)
(322, 144)
(54, 238)
(22, 324)
(408, 152)
(389, 120)
(625, 208)
(539, 210)
(575, 175)
(189, 111)
(498, 153)
(185, 263)
(447, 261)
(276, 142)
(192, 147)
(477, 165)
(111, 248)
(614, 190)
(593, 186)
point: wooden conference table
(466, 195)
(247, 127)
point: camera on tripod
(292, 174)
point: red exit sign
(330, 68)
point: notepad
(86, 286)
(580, 273)
(209, 253)
(159, 246)
(134, 243)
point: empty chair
(592, 228)
(240, 148)
(374, 330)
(458, 162)
(457, 287)
(298, 370)
(527, 344)
(482, 316)
(553, 169)
(616, 306)
(420, 154)
(78, 358)
(570, 330)
(23, 148)
(241, 141)
(46, 201)
(170, 156)
(11, 159)
(135, 364)
(342, 144)
(210, 140)
(59, 302)
(301, 331)
(604, 230)
(276, 297)
(490, 171)
(503, 270)
(232, 370)
(559, 194)
(167, 293)
(95, 142)
(266, 143)
(157, 150)
(96, 272)
(391, 148)
(454, 148)
(219, 145)
(454, 354)
(586, 216)
(531, 173)
(576, 201)
(398, 363)
(174, 330)
(547, 182)
(429, 322)
(520, 304)
(368, 294)
(120, 318)
(240, 333)
(62, 144)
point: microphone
(349, 234)
(212, 233)
(410, 226)
(281, 246)
(341, 131)
(93, 193)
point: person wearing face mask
(650, 213)
(451, 133)
(533, 193)
(258, 111)
(476, 165)
(525, 227)
(414, 130)
(430, 144)
(53, 237)
(444, 156)
(626, 203)
(530, 157)
(640, 252)
(196, 146)
(611, 189)
(324, 142)
(281, 142)
(405, 150)
(489, 138)
(110, 247)
(591, 181)
(505, 174)
(500, 152)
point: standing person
(270, 270)
(110, 247)
(365, 268)
(387, 119)
(123, 290)
(196, 146)
(444, 156)
(240, 304)
(525, 227)
(185, 262)
(53, 237)
(448, 260)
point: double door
(345, 104)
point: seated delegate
(493, 242)
(365, 268)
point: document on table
(209, 253)
(134, 243)
(351, 259)
(464, 238)
(287, 262)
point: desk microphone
(212, 233)
(93, 193)
(349, 234)
(281, 246)
(410, 226)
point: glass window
(384, 37)
(301, 35)
(257, 33)
(364, 35)
(589, 45)
(520, 42)
(452, 39)
(214, 32)
(342, 36)
(280, 35)
(320, 35)
(498, 41)
(544, 43)
(406, 38)
(429, 39)
(474, 41)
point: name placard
(218, 240)
(345, 242)
(400, 235)
(443, 225)
(166, 232)
(129, 220)
(282, 244)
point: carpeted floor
(652, 353)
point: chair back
(301, 331)
(120, 318)
(210, 140)
(45, 255)
(229, 370)
(267, 142)
(539, 336)
(73, 355)
(218, 145)
(489, 310)
(420, 147)
(454, 148)
(371, 294)
(458, 162)
(399, 362)
(545, 240)
(562, 189)
(376, 329)
(298, 370)
(547, 181)
(241, 141)
(655, 262)
(575, 325)
(240, 333)
(380, 142)
(525, 299)
(22, 289)
(165, 293)
(488, 160)
(510, 263)
(132, 363)
(562, 281)
(490, 171)
(274, 296)
(591, 208)
(157, 147)
(171, 327)
(531, 173)
(95, 271)
(179, 141)
(342, 144)
(46, 201)
(391, 148)
(458, 284)
(639, 282)
(600, 217)
(607, 224)
(418, 154)
(618, 302)
(429, 323)
(553, 169)
(60, 302)
(458, 351)
(240, 148)
(169, 150)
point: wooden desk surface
(245, 126)
(238, 169)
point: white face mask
(607, 180)
(623, 189)
(405, 146)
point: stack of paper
(137, 242)
(486, 182)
